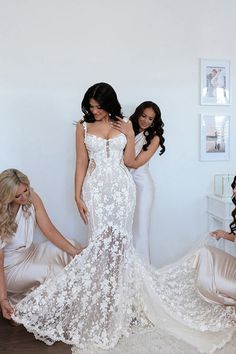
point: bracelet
(6, 299)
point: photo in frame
(214, 137)
(215, 82)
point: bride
(107, 292)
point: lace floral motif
(175, 287)
(91, 167)
(107, 292)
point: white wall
(51, 51)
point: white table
(219, 212)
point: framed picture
(215, 82)
(214, 137)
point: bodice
(105, 151)
(108, 185)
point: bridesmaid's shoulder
(36, 200)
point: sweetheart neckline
(100, 137)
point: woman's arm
(127, 129)
(223, 234)
(81, 169)
(49, 230)
(7, 310)
(129, 155)
(145, 156)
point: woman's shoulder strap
(85, 126)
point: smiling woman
(148, 128)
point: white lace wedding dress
(107, 292)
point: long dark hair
(155, 129)
(232, 225)
(106, 96)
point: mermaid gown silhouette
(107, 291)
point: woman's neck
(105, 120)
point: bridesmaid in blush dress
(24, 265)
(216, 269)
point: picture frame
(215, 82)
(214, 137)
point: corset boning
(104, 152)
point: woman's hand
(217, 234)
(82, 210)
(7, 310)
(77, 250)
(124, 127)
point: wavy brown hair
(9, 182)
(106, 96)
(232, 225)
(155, 129)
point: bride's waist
(105, 162)
(107, 168)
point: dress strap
(85, 127)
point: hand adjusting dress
(27, 265)
(107, 291)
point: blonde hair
(9, 182)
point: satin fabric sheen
(145, 191)
(27, 265)
(216, 276)
(107, 292)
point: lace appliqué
(107, 292)
(91, 167)
(108, 148)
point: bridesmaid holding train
(216, 269)
(23, 264)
